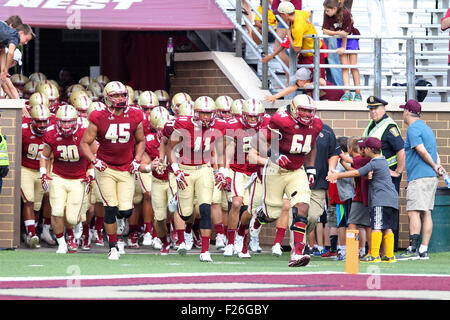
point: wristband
(43, 171)
(175, 167)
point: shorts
(383, 218)
(337, 215)
(359, 214)
(420, 194)
(352, 44)
(316, 207)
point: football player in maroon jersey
(291, 141)
(119, 131)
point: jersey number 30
(118, 132)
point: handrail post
(265, 45)
(238, 44)
(410, 69)
(316, 74)
(292, 62)
(377, 68)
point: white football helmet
(254, 108)
(66, 119)
(236, 107)
(302, 109)
(115, 95)
(178, 99)
(223, 106)
(207, 105)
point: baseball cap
(412, 106)
(302, 74)
(286, 7)
(17, 56)
(375, 102)
(370, 142)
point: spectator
(422, 168)
(359, 212)
(275, 4)
(301, 80)
(445, 24)
(247, 10)
(383, 200)
(337, 21)
(386, 129)
(272, 20)
(4, 159)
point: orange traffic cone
(352, 251)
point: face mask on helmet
(67, 127)
(204, 117)
(252, 121)
(40, 126)
(303, 115)
(117, 100)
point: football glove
(181, 179)
(88, 181)
(99, 165)
(45, 180)
(311, 173)
(220, 178)
(282, 161)
(134, 166)
(228, 185)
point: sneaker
(32, 241)
(254, 244)
(408, 255)
(157, 244)
(276, 250)
(164, 250)
(229, 250)
(339, 257)
(113, 254)
(242, 255)
(323, 251)
(424, 255)
(346, 97)
(188, 240)
(147, 239)
(371, 258)
(329, 254)
(317, 252)
(387, 259)
(62, 248)
(182, 249)
(132, 241)
(47, 236)
(121, 246)
(85, 243)
(220, 241)
(72, 246)
(298, 260)
(205, 257)
(238, 243)
(98, 239)
(357, 97)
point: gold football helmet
(204, 104)
(82, 104)
(96, 88)
(18, 79)
(255, 109)
(75, 95)
(223, 106)
(115, 94)
(66, 119)
(37, 76)
(38, 98)
(158, 117)
(29, 89)
(50, 91)
(163, 97)
(302, 108)
(147, 101)
(186, 108)
(40, 118)
(85, 81)
(96, 105)
(236, 107)
(178, 99)
(102, 79)
(130, 94)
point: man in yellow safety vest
(4, 159)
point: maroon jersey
(168, 129)
(53, 107)
(295, 139)
(198, 142)
(242, 136)
(115, 135)
(69, 162)
(152, 143)
(32, 146)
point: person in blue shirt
(422, 169)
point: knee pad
(262, 216)
(110, 215)
(242, 210)
(205, 216)
(185, 219)
(125, 214)
(299, 223)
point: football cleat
(47, 236)
(189, 240)
(32, 241)
(229, 250)
(276, 250)
(220, 241)
(157, 244)
(329, 254)
(121, 246)
(132, 241)
(147, 239)
(424, 255)
(72, 246)
(113, 254)
(254, 244)
(182, 249)
(238, 243)
(85, 244)
(205, 257)
(62, 248)
(254, 232)
(197, 239)
(298, 260)
(242, 255)
(408, 255)
(98, 239)
(164, 251)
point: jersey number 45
(118, 132)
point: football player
(97, 89)
(177, 100)
(29, 89)
(19, 81)
(118, 129)
(37, 76)
(195, 139)
(291, 142)
(236, 108)
(147, 101)
(30, 187)
(85, 81)
(52, 93)
(241, 132)
(70, 186)
(163, 98)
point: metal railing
(377, 87)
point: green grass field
(28, 263)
